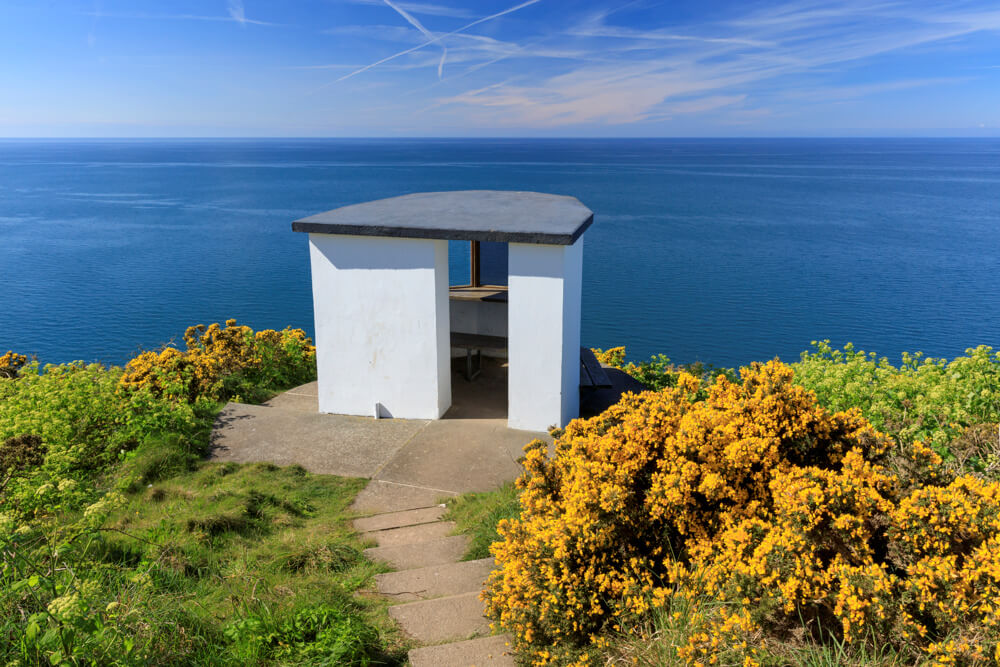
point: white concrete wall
(382, 323)
(479, 317)
(544, 335)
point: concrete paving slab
(304, 398)
(308, 389)
(411, 534)
(400, 519)
(381, 497)
(412, 556)
(327, 444)
(460, 455)
(441, 619)
(435, 581)
(495, 651)
(296, 402)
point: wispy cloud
(713, 66)
(423, 8)
(426, 33)
(843, 93)
(377, 32)
(598, 29)
(436, 39)
(475, 52)
(703, 104)
(237, 12)
(92, 33)
(178, 17)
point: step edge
(412, 525)
(503, 636)
(390, 579)
(430, 567)
(446, 538)
(380, 530)
(375, 534)
(354, 519)
(436, 601)
(362, 515)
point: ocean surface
(724, 251)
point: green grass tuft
(477, 515)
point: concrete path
(326, 444)
(413, 465)
(447, 456)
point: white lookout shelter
(387, 321)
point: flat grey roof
(467, 215)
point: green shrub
(81, 426)
(20, 452)
(322, 634)
(932, 400)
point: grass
(121, 545)
(477, 515)
(247, 564)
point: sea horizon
(716, 249)
(735, 137)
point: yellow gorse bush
(755, 497)
(613, 356)
(219, 361)
(950, 538)
(11, 363)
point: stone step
(399, 519)
(442, 619)
(382, 497)
(435, 581)
(424, 554)
(424, 532)
(493, 651)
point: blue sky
(368, 68)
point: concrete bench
(592, 375)
(476, 343)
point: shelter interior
(478, 316)
(478, 300)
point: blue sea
(723, 251)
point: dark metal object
(474, 279)
(476, 343)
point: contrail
(427, 33)
(431, 41)
(237, 12)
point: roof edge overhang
(364, 219)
